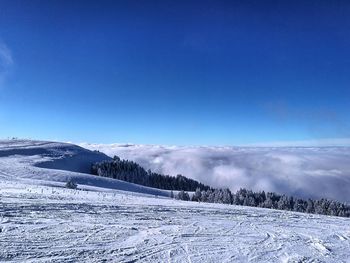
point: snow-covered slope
(54, 155)
(40, 221)
(48, 162)
(46, 224)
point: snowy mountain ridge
(48, 162)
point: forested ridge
(132, 172)
(268, 200)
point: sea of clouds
(316, 172)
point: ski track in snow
(40, 221)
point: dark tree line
(130, 171)
(268, 200)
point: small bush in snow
(182, 195)
(71, 185)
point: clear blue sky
(175, 72)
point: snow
(56, 224)
(41, 221)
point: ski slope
(40, 221)
(47, 224)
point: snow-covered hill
(40, 221)
(53, 162)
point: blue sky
(175, 72)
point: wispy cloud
(5, 55)
(304, 171)
(6, 62)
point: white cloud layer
(303, 171)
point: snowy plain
(41, 221)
